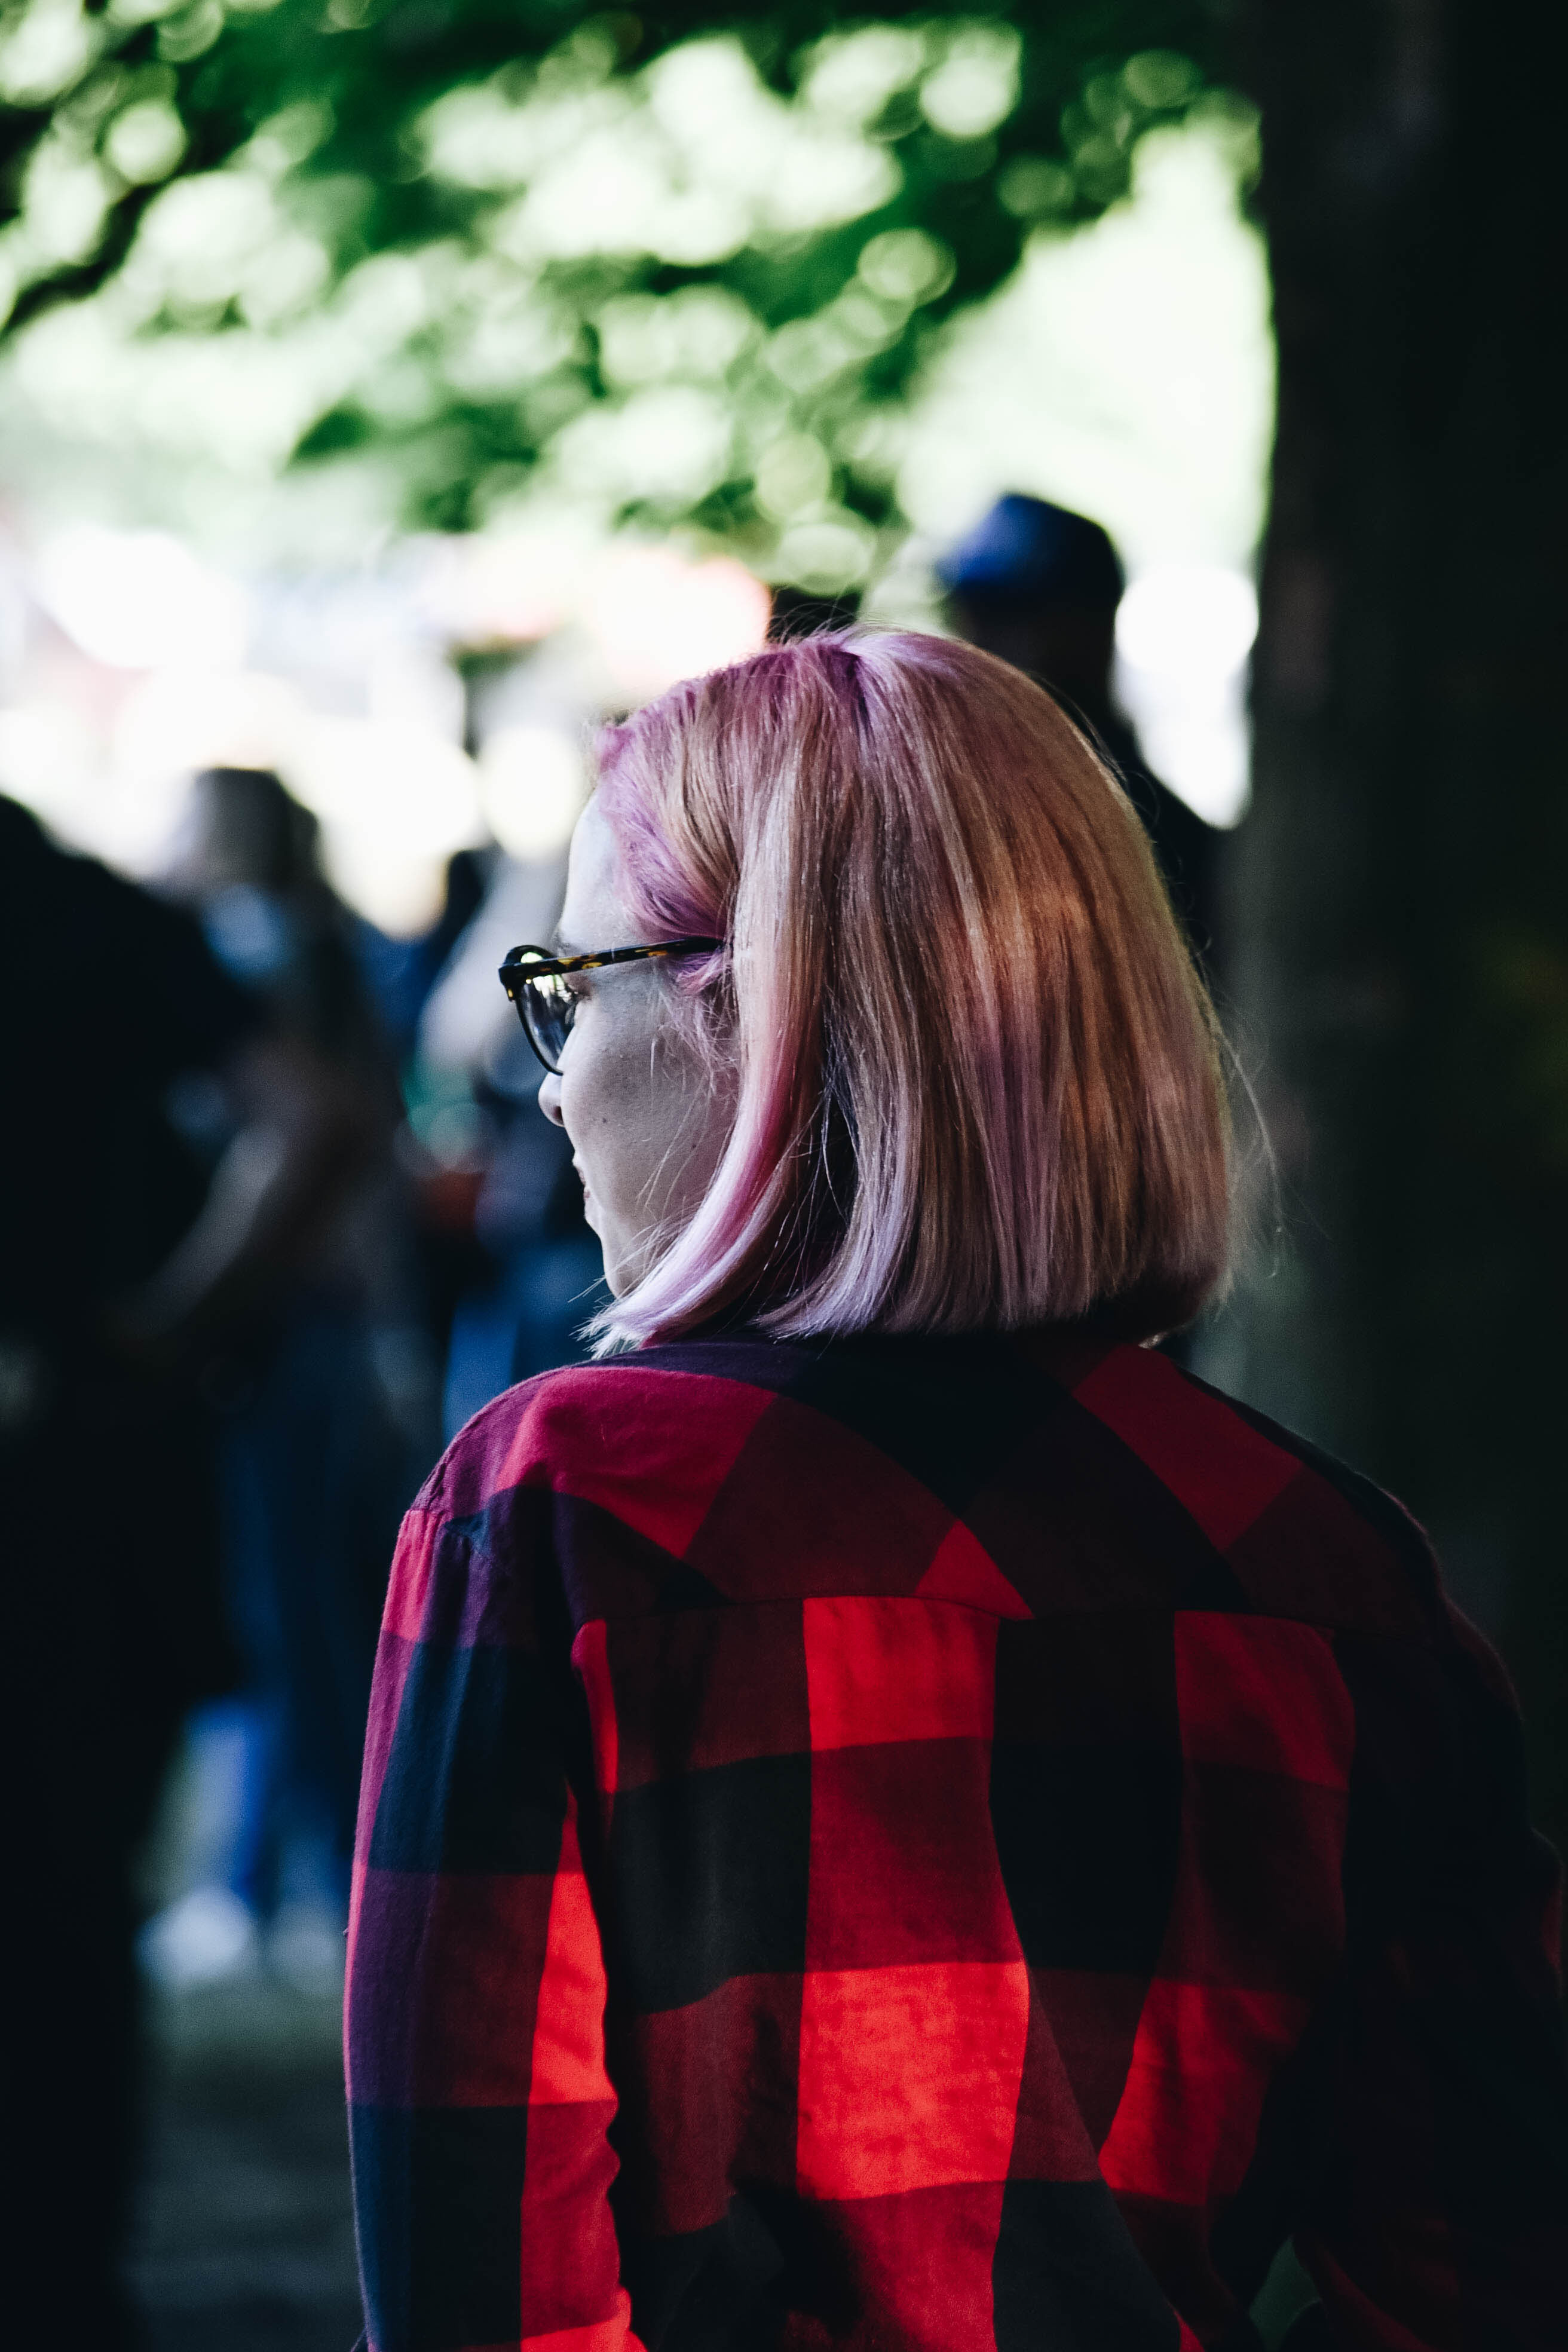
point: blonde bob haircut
(977, 1078)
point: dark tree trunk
(1402, 886)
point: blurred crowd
(279, 1217)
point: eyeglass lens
(547, 1007)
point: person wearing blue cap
(1039, 586)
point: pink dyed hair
(978, 1076)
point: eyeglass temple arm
(549, 967)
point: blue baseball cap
(1028, 548)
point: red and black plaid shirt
(940, 1845)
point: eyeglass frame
(514, 974)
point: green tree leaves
(686, 265)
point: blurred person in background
(1039, 586)
(444, 1143)
(401, 972)
(330, 1418)
(542, 1280)
(126, 1254)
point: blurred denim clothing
(400, 973)
(550, 1280)
(529, 1322)
(332, 1396)
(315, 1472)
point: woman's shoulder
(663, 1417)
(1301, 1533)
(1306, 1532)
(1004, 1435)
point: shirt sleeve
(1435, 2209)
(478, 2097)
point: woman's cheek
(603, 1105)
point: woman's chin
(624, 1267)
(618, 1278)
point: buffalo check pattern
(937, 1846)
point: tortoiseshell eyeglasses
(536, 982)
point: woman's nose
(550, 1098)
